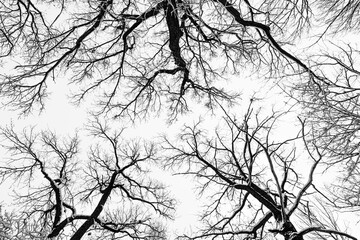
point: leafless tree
(333, 109)
(136, 56)
(253, 180)
(14, 227)
(66, 197)
(340, 16)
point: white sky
(65, 119)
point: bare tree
(333, 108)
(253, 180)
(14, 227)
(5, 225)
(136, 56)
(340, 16)
(66, 197)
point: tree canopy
(128, 61)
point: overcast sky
(62, 117)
